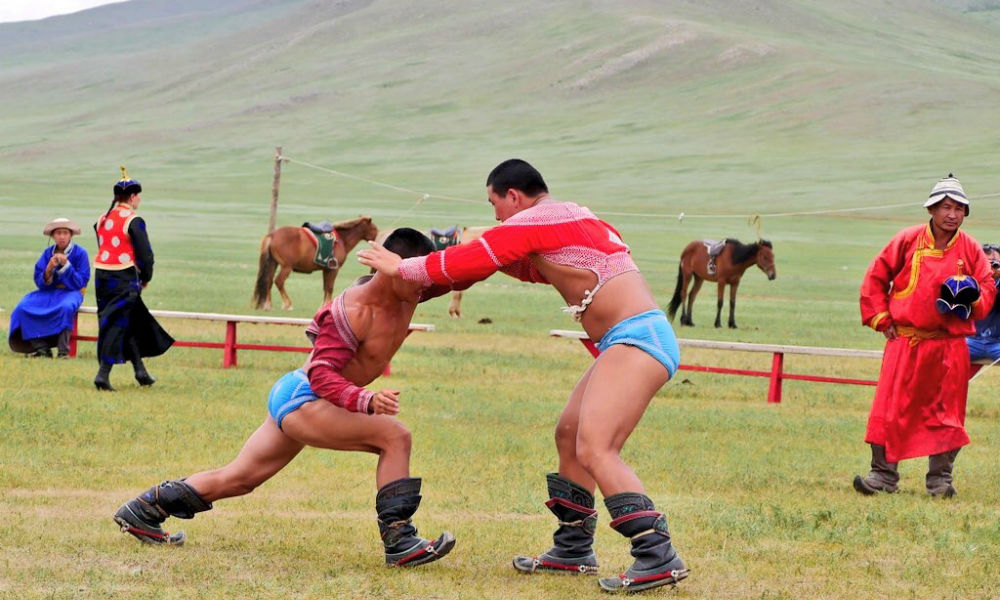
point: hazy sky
(29, 10)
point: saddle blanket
(325, 247)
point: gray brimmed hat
(949, 187)
(61, 223)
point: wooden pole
(274, 188)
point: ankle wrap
(175, 499)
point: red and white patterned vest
(114, 245)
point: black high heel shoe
(144, 378)
(102, 383)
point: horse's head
(369, 231)
(765, 258)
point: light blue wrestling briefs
(289, 393)
(650, 332)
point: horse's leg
(695, 288)
(685, 280)
(718, 304)
(455, 308)
(329, 276)
(732, 304)
(279, 281)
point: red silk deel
(919, 405)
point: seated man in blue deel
(44, 318)
(986, 343)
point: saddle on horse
(714, 249)
(325, 238)
(445, 238)
(318, 228)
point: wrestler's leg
(265, 453)
(571, 500)
(324, 425)
(623, 381)
(566, 434)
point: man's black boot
(656, 561)
(395, 504)
(143, 515)
(573, 541)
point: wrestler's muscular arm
(338, 375)
(380, 328)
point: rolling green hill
(810, 113)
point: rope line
(423, 195)
(679, 216)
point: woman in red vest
(123, 267)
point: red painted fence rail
(230, 345)
(776, 374)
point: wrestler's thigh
(324, 425)
(571, 412)
(622, 381)
(265, 452)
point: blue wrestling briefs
(650, 332)
(289, 393)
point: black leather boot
(102, 381)
(572, 550)
(141, 374)
(656, 561)
(143, 515)
(395, 504)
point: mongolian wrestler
(924, 291)
(324, 405)
(542, 240)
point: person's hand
(53, 262)
(61, 259)
(385, 402)
(380, 259)
(890, 332)
(144, 284)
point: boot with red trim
(656, 562)
(573, 542)
(395, 504)
(143, 515)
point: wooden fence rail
(230, 345)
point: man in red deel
(924, 291)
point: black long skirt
(123, 320)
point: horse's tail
(265, 273)
(676, 300)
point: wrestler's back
(380, 330)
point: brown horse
(294, 249)
(467, 235)
(729, 267)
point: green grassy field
(639, 110)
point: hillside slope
(713, 99)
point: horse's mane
(742, 252)
(350, 224)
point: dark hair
(408, 243)
(517, 174)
